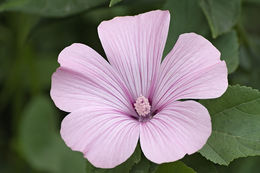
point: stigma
(142, 106)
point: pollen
(142, 106)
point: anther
(142, 106)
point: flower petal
(72, 91)
(134, 47)
(192, 69)
(84, 78)
(106, 137)
(180, 128)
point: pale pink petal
(192, 69)
(180, 128)
(85, 77)
(106, 137)
(134, 47)
(72, 90)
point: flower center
(142, 106)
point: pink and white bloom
(134, 96)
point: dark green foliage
(235, 125)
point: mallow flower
(135, 96)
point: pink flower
(136, 96)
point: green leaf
(124, 167)
(222, 15)
(229, 48)
(141, 167)
(144, 166)
(41, 145)
(36, 132)
(199, 163)
(51, 8)
(114, 2)
(186, 16)
(241, 165)
(235, 125)
(176, 167)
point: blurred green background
(32, 34)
